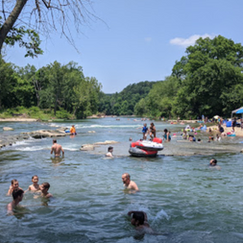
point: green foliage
(27, 38)
(62, 90)
(209, 74)
(208, 80)
(124, 103)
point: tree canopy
(208, 80)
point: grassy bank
(35, 112)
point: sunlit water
(185, 200)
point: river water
(185, 199)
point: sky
(137, 40)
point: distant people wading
(167, 136)
(110, 151)
(144, 131)
(73, 130)
(152, 131)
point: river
(185, 199)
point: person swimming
(139, 220)
(213, 163)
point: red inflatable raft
(143, 148)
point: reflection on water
(181, 195)
(57, 160)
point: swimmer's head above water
(213, 162)
(137, 218)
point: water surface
(184, 199)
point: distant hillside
(123, 103)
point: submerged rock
(8, 129)
(106, 142)
(87, 147)
(46, 133)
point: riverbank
(238, 130)
(18, 119)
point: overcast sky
(138, 40)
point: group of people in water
(138, 218)
(151, 131)
(18, 193)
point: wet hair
(46, 185)
(14, 180)
(199, 140)
(151, 124)
(54, 140)
(139, 216)
(165, 130)
(127, 175)
(34, 176)
(110, 148)
(214, 161)
(16, 193)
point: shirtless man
(57, 148)
(131, 185)
(17, 198)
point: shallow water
(184, 199)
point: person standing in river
(128, 183)
(57, 149)
(73, 130)
(152, 131)
(144, 131)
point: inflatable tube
(230, 134)
(148, 145)
(67, 131)
(157, 140)
(134, 151)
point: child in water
(139, 219)
(35, 186)
(17, 198)
(145, 131)
(44, 190)
(14, 186)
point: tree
(8, 80)
(208, 76)
(43, 16)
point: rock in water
(8, 129)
